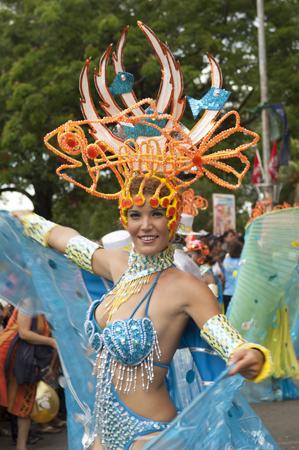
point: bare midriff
(153, 403)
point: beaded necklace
(138, 274)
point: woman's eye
(158, 214)
(133, 215)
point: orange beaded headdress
(146, 138)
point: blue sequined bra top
(128, 342)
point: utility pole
(267, 185)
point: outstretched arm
(83, 252)
(252, 360)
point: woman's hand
(248, 362)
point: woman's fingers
(247, 362)
(238, 364)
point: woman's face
(148, 229)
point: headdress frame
(151, 142)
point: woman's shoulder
(180, 281)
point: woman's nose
(146, 223)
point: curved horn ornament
(206, 122)
(97, 130)
(129, 98)
(100, 79)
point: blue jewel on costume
(133, 132)
(213, 100)
(122, 83)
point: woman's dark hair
(150, 186)
(234, 248)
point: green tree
(44, 43)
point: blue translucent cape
(39, 280)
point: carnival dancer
(136, 327)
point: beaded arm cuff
(37, 227)
(219, 333)
(80, 250)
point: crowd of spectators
(218, 258)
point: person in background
(230, 265)
(228, 236)
(19, 398)
(215, 244)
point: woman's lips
(148, 239)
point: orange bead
(165, 202)
(138, 200)
(197, 161)
(92, 151)
(71, 142)
(154, 202)
(126, 203)
(171, 211)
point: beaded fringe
(106, 368)
(123, 291)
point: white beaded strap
(219, 333)
(37, 227)
(80, 250)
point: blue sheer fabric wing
(217, 418)
(39, 280)
(213, 412)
